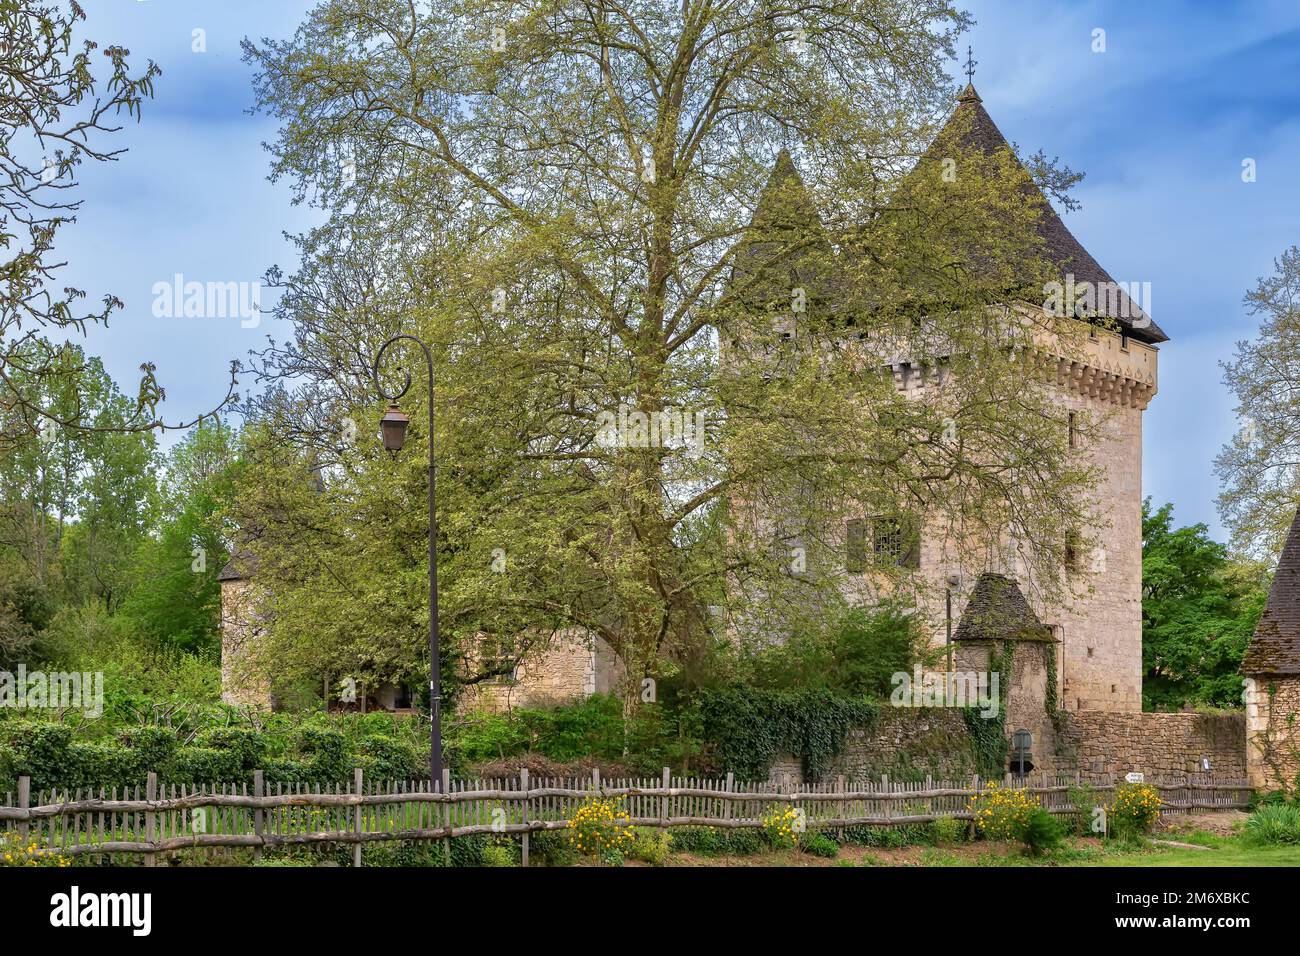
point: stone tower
(1099, 635)
(1110, 381)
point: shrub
(153, 746)
(894, 836)
(246, 746)
(101, 765)
(946, 831)
(1274, 825)
(1135, 809)
(747, 727)
(205, 765)
(385, 759)
(600, 828)
(782, 826)
(327, 754)
(706, 841)
(1085, 801)
(1001, 813)
(711, 841)
(553, 848)
(500, 854)
(1041, 832)
(33, 749)
(651, 845)
(818, 844)
(14, 851)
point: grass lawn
(1232, 853)
(1228, 851)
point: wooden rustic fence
(158, 819)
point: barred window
(893, 541)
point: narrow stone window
(1074, 430)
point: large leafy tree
(559, 197)
(1260, 467)
(1198, 612)
(176, 598)
(57, 111)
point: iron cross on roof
(970, 66)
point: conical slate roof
(785, 245)
(240, 567)
(1060, 247)
(1275, 646)
(998, 611)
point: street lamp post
(392, 426)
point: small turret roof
(998, 611)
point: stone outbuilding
(999, 633)
(1272, 671)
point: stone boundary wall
(901, 740)
(1094, 742)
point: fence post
(523, 783)
(24, 803)
(975, 788)
(150, 818)
(726, 809)
(595, 780)
(259, 819)
(358, 777)
(445, 783)
(889, 803)
(667, 782)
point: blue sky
(1160, 122)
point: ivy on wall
(989, 737)
(748, 727)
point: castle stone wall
(571, 666)
(901, 741)
(1153, 744)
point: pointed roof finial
(971, 63)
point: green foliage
(138, 675)
(1274, 825)
(51, 755)
(652, 845)
(747, 727)
(552, 847)
(989, 738)
(1256, 466)
(1198, 613)
(385, 758)
(1085, 801)
(246, 746)
(1134, 810)
(946, 831)
(1041, 832)
(712, 841)
(817, 844)
(38, 751)
(628, 538)
(912, 834)
(853, 656)
(500, 854)
(204, 765)
(592, 728)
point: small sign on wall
(1135, 777)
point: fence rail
(175, 817)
